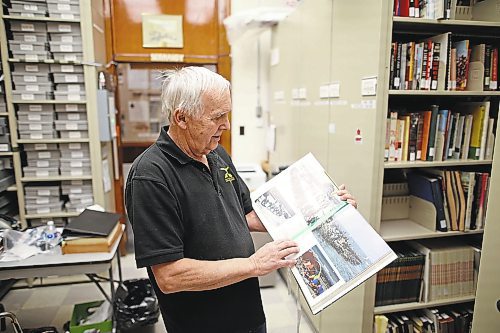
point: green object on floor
(80, 311)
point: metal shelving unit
(91, 66)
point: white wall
(250, 147)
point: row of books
(450, 319)
(430, 9)
(401, 280)
(460, 198)
(473, 61)
(428, 270)
(437, 63)
(467, 132)
(415, 65)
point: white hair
(182, 89)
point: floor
(52, 305)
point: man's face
(205, 130)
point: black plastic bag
(136, 304)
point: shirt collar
(168, 146)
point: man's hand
(346, 196)
(272, 256)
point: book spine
(392, 65)
(487, 67)
(420, 134)
(494, 70)
(453, 70)
(435, 66)
(425, 134)
(428, 69)
(397, 73)
(432, 132)
(413, 137)
(423, 72)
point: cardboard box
(80, 311)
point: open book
(338, 248)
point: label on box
(77, 172)
(4, 147)
(32, 8)
(70, 57)
(35, 127)
(42, 164)
(77, 154)
(40, 201)
(36, 117)
(27, 97)
(72, 126)
(26, 47)
(35, 107)
(27, 14)
(42, 210)
(87, 201)
(31, 68)
(44, 154)
(73, 87)
(71, 107)
(29, 78)
(76, 164)
(76, 190)
(30, 38)
(63, 7)
(41, 146)
(76, 145)
(67, 68)
(74, 116)
(43, 192)
(42, 173)
(27, 27)
(36, 136)
(75, 135)
(71, 78)
(66, 48)
(73, 97)
(32, 87)
(31, 57)
(67, 16)
(67, 39)
(64, 28)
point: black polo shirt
(179, 208)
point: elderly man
(191, 215)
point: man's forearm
(254, 222)
(196, 275)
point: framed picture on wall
(162, 31)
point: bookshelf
(90, 32)
(329, 127)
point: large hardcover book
(339, 249)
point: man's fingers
(342, 187)
(290, 250)
(289, 262)
(286, 244)
(352, 202)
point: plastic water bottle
(51, 237)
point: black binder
(429, 189)
(91, 223)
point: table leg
(119, 262)
(112, 285)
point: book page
(336, 244)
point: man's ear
(180, 118)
